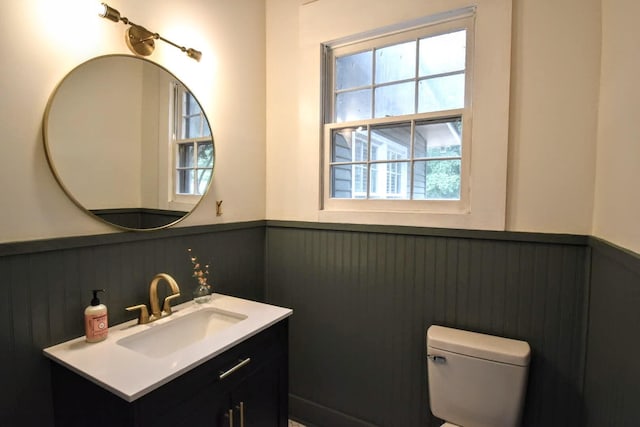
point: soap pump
(95, 319)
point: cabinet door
(205, 407)
(245, 387)
(257, 400)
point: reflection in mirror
(128, 142)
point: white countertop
(131, 375)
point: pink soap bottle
(96, 326)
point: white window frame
(463, 19)
(181, 198)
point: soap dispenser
(95, 319)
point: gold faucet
(154, 302)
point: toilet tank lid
(488, 347)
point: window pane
(433, 140)
(397, 62)
(184, 181)
(341, 149)
(354, 70)
(443, 54)
(354, 105)
(436, 180)
(204, 176)
(395, 100)
(443, 93)
(185, 155)
(349, 181)
(391, 142)
(389, 181)
(189, 104)
(205, 155)
(360, 181)
(185, 102)
(192, 127)
(349, 145)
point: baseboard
(303, 410)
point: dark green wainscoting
(612, 375)
(363, 298)
(45, 286)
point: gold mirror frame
(86, 141)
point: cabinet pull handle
(241, 408)
(225, 374)
(229, 415)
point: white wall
(554, 104)
(617, 202)
(552, 124)
(43, 40)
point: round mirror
(128, 142)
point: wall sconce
(140, 40)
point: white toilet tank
(476, 380)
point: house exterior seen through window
(397, 111)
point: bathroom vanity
(234, 375)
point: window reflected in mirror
(193, 145)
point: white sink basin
(163, 339)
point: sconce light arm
(139, 39)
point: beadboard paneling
(612, 379)
(46, 285)
(363, 297)
(363, 300)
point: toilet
(476, 380)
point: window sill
(494, 221)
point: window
(398, 119)
(193, 146)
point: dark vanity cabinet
(246, 386)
